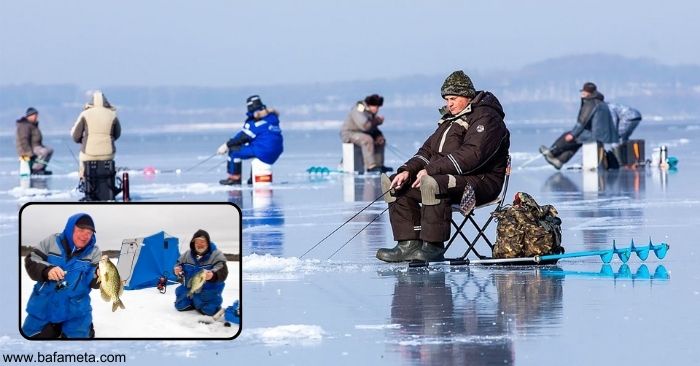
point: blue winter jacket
(51, 303)
(263, 133)
(209, 299)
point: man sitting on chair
(464, 161)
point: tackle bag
(100, 181)
(526, 229)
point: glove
(223, 149)
(379, 120)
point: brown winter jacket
(28, 137)
(473, 143)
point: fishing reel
(60, 285)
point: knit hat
(254, 103)
(85, 222)
(458, 83)
(374, 99)
(31, 111)
(589, 87)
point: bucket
(262, 173)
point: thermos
(663, 155)
(125, 187)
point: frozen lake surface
(352, 309)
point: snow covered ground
(150, 314)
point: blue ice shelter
(142, 261)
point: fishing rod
(396, 152)
(71, 152)
(152, 170)
(213, 167)
(343, 224)
(201, 162)
(606, 256)
(533, 159)
(54, 164)
(358, 233)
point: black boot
(401, 252)
(230, 182)
(430, 252)
(550, 157)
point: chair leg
(481, 230)
(459, 230)
(470, 244)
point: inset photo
(130, 271)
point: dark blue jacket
(262, 132)
(48, 302)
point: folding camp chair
(480, 229)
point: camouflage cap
(458, 83)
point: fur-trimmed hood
(99, 100)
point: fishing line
(358, 233)
(343, 224)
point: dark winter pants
(236, 155)
(410, 220)
(564, 150)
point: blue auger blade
(642, 252)
(660, 250)
(660, 273)
(623, 254)
(643, 272)
(606, 270)
(607, 256)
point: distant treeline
(545, 90)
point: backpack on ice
(526, 229)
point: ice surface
(352, 309)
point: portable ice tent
(142, 261)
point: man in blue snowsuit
(64, 266)
(261, 137)
(202, 255)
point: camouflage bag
(526, 229)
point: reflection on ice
(461, 318)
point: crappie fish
(196, 282)
(111, 286)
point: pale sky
(241, 43)
(115, 222)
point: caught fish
(111, 286)
(195, 283)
